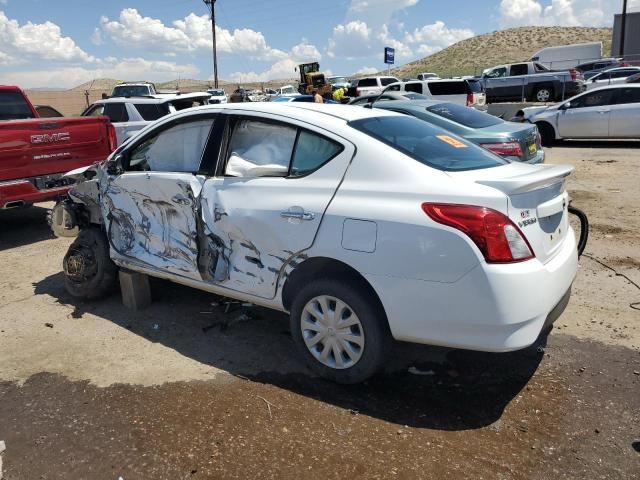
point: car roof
(617, 69)
(412, 103)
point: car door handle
(602, 112)
(298, 215)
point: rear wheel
(547, 134)
(544, 94)
(340, 330)
(89, 272)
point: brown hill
(471, 56)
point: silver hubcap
(332, 332)
(544, 95)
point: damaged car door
(150, 205)
(262, 209)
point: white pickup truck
(141, 89)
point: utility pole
(623, 25)
(211, 5)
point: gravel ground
(183, 390)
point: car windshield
(217, 93)
(469, 117)
(428, 144)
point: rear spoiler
(544, 176)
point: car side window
(176, 149)
(392, 88)
(497, 72)
(117, 112)
(627, 95)
(95, 111)
(594, 99)
(519, 69)
(311, 152)
(387, 81)
(260, 149)
(414, 87)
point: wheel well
(542, 125)
(317, 267)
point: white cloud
(367, 71)
(124, 69)
(305, 52)
(401, 50)
(377, 12)
(191, 34)
(96, 37)
(37, 40)
(350, 40)
(561, 12)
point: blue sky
(66, 42)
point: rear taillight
(469, 99)
(499, 240)
(112, 137)
(358, 92)
(624, 64)
(505, 149)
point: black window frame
(113, 105)
(617, 95)
(594, 92)
(158, 106)
(207, 156)
(230, 124)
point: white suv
(364, 225)
(462, 91)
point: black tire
(89, 273)
(543, 92)
(372, 319)
(547, 134)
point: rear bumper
(17, 192)
(493, 308)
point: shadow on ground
(23, 226)
(622, 144)
(448, 389)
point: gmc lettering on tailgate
(51, 137)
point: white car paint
(613, 76)
(608, 119)
(364, 211)
(424, 87)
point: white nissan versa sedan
(364, 225)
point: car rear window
(415, 87)
(13, 106)
(428, 144)
(152, 111)
(448, 88)
(469, 117)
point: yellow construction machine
(312, 79)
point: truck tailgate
(36, 147)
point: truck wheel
(544, 94)
(340, 330)
(89, 272)
(547, 134)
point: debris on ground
(417, 371)
(50, 325)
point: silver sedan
(603, 113)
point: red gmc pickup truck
(36, 152)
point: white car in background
(131, 114)
(217, 96)
(603, 113)
(613, 76)
(365, 225)
(467, 92)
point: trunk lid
(525, 134)
(537, 201)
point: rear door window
(427, 144)
(311, 152)
(519, 69)
(152, 111)
(117, 112)
(415, 87)
(448, 88)
(384, 81)
(627, 95)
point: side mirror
(564, 106)
(114, 165)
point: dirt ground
(183, 390)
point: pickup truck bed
(35, 152)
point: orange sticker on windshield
(451, 141)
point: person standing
(317, 98)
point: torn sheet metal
(154, 221)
